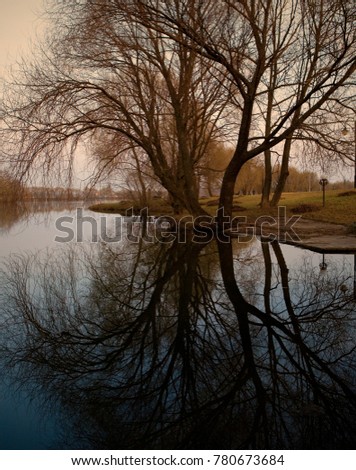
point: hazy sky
(19, 22)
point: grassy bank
(340, 206)
(157, 207)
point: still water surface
(167, 345)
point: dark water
(143, 344)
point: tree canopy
(169, 80)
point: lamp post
(323, 182)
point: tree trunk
(284, 172)
(143, 193)
(228, 186)
(235, 165)
(209, 188)
(191, 192)
(267, 184)
(266, 190)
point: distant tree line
(10, 188)
(44, 193)
(249, 181)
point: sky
(21, 26)
(19, 23)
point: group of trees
(157, 87)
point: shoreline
(320, 236)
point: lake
(112, 337)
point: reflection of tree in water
(300, 369)
(155, 346)
(12, 213)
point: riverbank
(340, 206)
(328, 229)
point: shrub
(352, 228)
(347, 193)
(303, 208)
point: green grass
(340, 207)
(157, 207)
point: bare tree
(309, 45)
(166, 75)
(108, 73)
